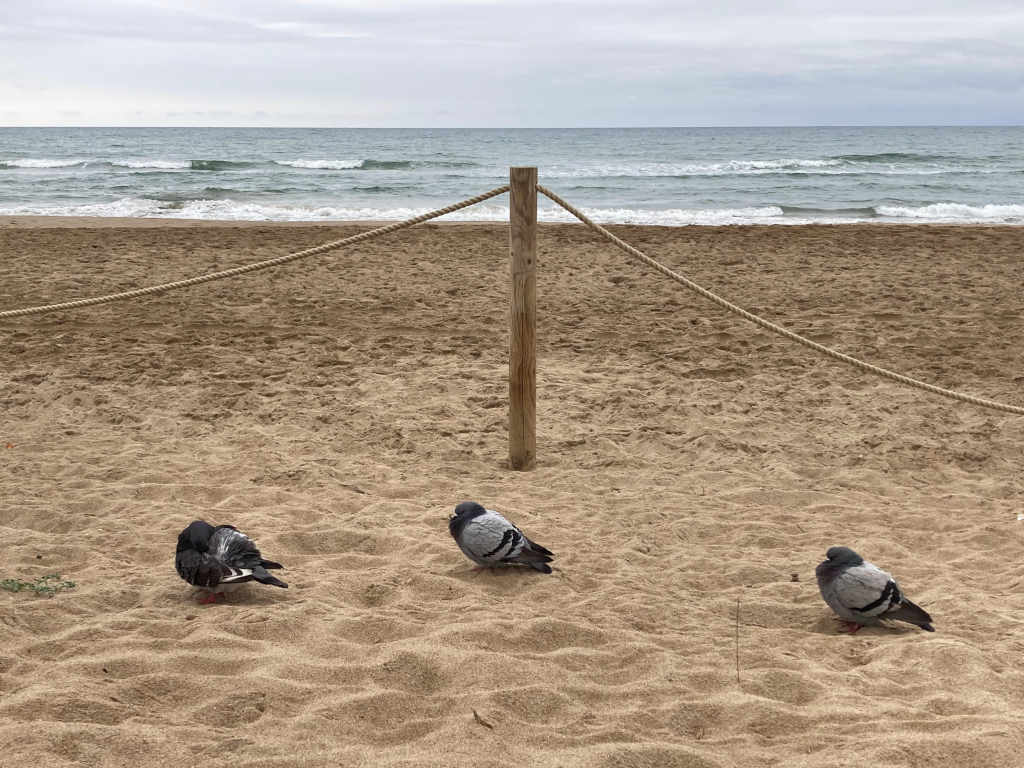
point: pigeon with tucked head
(220, 558)
(862, 593)
(491, 541)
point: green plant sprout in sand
(47, 586)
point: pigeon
(490, 541)
(862, 593)
(220, 558)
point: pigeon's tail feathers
(534, 546)
(236, 575)
(270, 564)
(912, 614)
(265, 578)
(535, 556)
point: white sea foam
(44, 163)
(127, 207)
(232, 210)
(955, 212)
(726, 168)
(241, 211)
(327, 165)
(163, 165)
(670, 217)
(32, 162)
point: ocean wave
(124, 208)
(179, 199)
(134, 164)
(31, 162)
(807, 211)
(385, 165)
(324, 165)
(889, 164)
(160, 165)
(342, 164)
(672, 216)
(896, 157)
(231, 210)
(388, 188)
(221, 165)
(955, 212)
(374, 165)
(348, 165)
(217, 207)
(673, 170)
(446, 164)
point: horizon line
(524, 128)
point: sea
(661, 176)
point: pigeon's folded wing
(234, 548)
(866, 589)
(241, 557)
(201, 570)
(490, 537)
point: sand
(690, 464)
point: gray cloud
(505, 63)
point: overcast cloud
(483, 63)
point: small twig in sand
(482, 722)
(737, 640)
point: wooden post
(522, 363)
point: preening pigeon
(489, 540)
(219, 559)
(862, 593)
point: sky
(510, 63)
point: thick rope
(258, 265)
(898, 377)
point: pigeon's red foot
(209, 599)
(852, 627)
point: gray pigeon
(489, 540)
(862, 593)
(218, 559)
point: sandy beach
(692, 470)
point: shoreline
(101, 222)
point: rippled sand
(689, 465)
